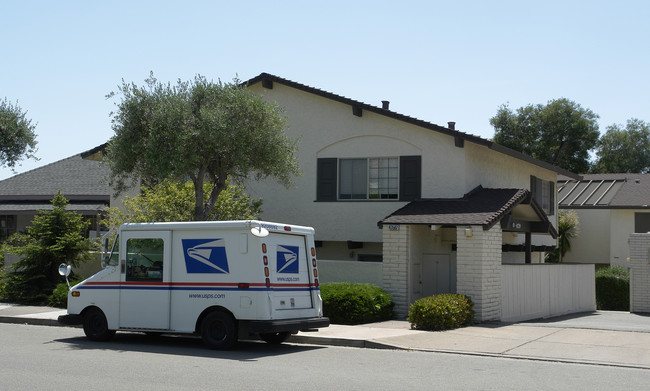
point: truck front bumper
(280, 325)
(70, 319)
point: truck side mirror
(65, 270)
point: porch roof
(481, 206)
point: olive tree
(199, 130)
(17, 137)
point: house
(419, 208)
(83, 182)
(412, 206)
(609, 207)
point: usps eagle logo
(287, 258)
(205, 256)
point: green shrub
(354, 303)
(59, 296)
(613, 289)
(441, 312)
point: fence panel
(545, 290)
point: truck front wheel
(218, 330)
(96, 326)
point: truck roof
(233, 224)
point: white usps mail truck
(220, 280)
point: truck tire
(275, 338)
(96, 326)
(218, 330)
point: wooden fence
(536, 291)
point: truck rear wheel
(96, 326)
(218, 330)
(275, 338)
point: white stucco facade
(327, 128)
(416, 260)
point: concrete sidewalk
(601, 337)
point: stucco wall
(343, 271)
(592, 245)
(603, 237)
(326, 128)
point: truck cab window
(114, 258)
(144, 259)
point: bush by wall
(613, 289)
(354, 303)
(441, 312)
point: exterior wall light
(468, 232)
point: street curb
(33, 321)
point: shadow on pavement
(245, 350)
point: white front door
(145, 280)
(436, 274)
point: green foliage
(17, 137)
(613, 289)
(561, 132)
(59, 296)
(441, 312)
(54, 237)
(567, 229)
(624, 149)
(201, 130)
(354, 303)
(174, 201)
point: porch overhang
(514, 209)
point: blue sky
(434, 60)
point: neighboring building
(451, 207)
(83, 182)
(610, 207)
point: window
(371, 178)
(544, 194)
(7, 226)
(144, 259)
(641, 223)
(380, 178)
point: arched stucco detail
(382, 146)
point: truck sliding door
(145, 279)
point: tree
(201, 130)
(17, 137)
(174, 201)
(561, 132)
(568, 227)
(624, 149)
(54, 237)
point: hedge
(441, 312)
(613, 289)
(355, 303)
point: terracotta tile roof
(481, 206)
(605, 191)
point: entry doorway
(434, 274)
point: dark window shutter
(410, 178)
(326, 179)
(551, 206)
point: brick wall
(640, 272)
(395, 266)
(479, 269)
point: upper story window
(369, 178)
(375, 178)
(7, 226)
(544, 193)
